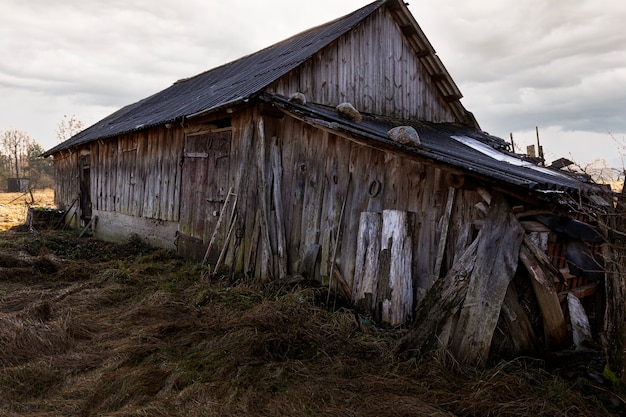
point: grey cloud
(519, 63)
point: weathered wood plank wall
(137, 174)
(372, 68)
(67, 179)
(322, 173)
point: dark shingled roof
(228, 84)
(438, 144)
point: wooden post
(366, 265)
(395, 285)
(496, 263)
(266, 246)
(277, 170)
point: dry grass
(125, 330)
(14, 206)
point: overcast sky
(559, 65)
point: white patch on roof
(499, 156)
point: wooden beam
(408, 30)
(579, 292)
(494, 269)
(529, 226)
(542, 279)
(451, 98)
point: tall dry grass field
(14, 206)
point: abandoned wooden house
(344, 155)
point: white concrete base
(115, 227)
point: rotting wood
(496, 263)
(254, 244)
(277, 170)
(486, 195)
(445, 225)
(64, 218)
(395, 285)
(542, 279)
(581, 330)
(266, 248)
(226, 244)
(218, 224)
(343, 284)
(518, 323)
(529, 226)
(307, 266)
(366, 266)
(338, 234)
(442, 301)
(579, 292)
(327, 239)
(92, 221)
(463, 240)
(243, 164)
(220, 259)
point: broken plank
(555, 328)
(496, 263)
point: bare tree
(68, 127)
(15, 144)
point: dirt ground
(89, 328)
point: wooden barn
(343, 155)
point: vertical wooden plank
(496, 262)
(267, 271)
(277, 171)
(445, 225)
(149, 175)
(364, 288)
(428, 214)
(395, 289)
(542, 279)
(313, 176)
(175, 161)
(247, 142)
(113, 174)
